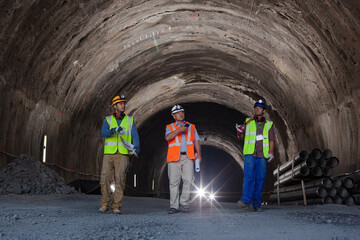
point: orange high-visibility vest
(174, 144)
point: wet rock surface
(27, 175)
(76, 217)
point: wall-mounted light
(153, 185)
(44, 149)
(134, 180)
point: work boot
(244, 205)
(258, 209)
(103, 209)
(172, 211)
(117, 211)
(184, 209)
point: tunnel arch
(62, 62)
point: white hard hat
(177, 108)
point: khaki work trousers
(182, 169)
(113, 165)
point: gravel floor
(76, 217)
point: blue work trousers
(254, 177)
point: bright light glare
(201, 192)
(112, 187)
(212, 196)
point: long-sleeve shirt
(183, 137)
(106, 132)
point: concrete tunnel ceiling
(63, 61)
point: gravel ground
(75, 216)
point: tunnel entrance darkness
(220, 174)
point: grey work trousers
(182, 169)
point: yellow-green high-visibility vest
(250, 137)
(114, 142)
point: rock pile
(26, 175)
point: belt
(183, 153)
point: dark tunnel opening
(220, 174)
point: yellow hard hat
(118, 99)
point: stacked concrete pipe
(315, 169)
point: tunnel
(63, 61)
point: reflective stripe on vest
(250, 138)
(174, 145)
(114, 142)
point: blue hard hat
(260, 103)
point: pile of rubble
(27, 175)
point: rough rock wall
(61, 62)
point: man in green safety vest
(258, 150)
(121, 140)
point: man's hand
(239, 130)
(113, 131)
(119, 130)
(133, 153)
(270, 157)
(183, 129)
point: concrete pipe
(287, 179)
(302, 156)
(347, 182)
(310, 163)
(332, 192)
(349, 200)
(326, 153)
(355, 189)
(315, 192)
(316, 153)
(321, 162)
(356, 198)
(332, 162)
(316, 171)
(328, 171)
(337, 199)
(337, 183)
(324, 182)
(355, 177)
(342, 192)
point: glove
(270, 157)
(133, 153)
(113, 131)
(119, 130)
(239, 130)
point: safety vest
(173, 153)
(250, 137)
(114, 142)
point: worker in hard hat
(183, 140)
(120, 132)
(258, 150)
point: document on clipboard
(127, 145)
